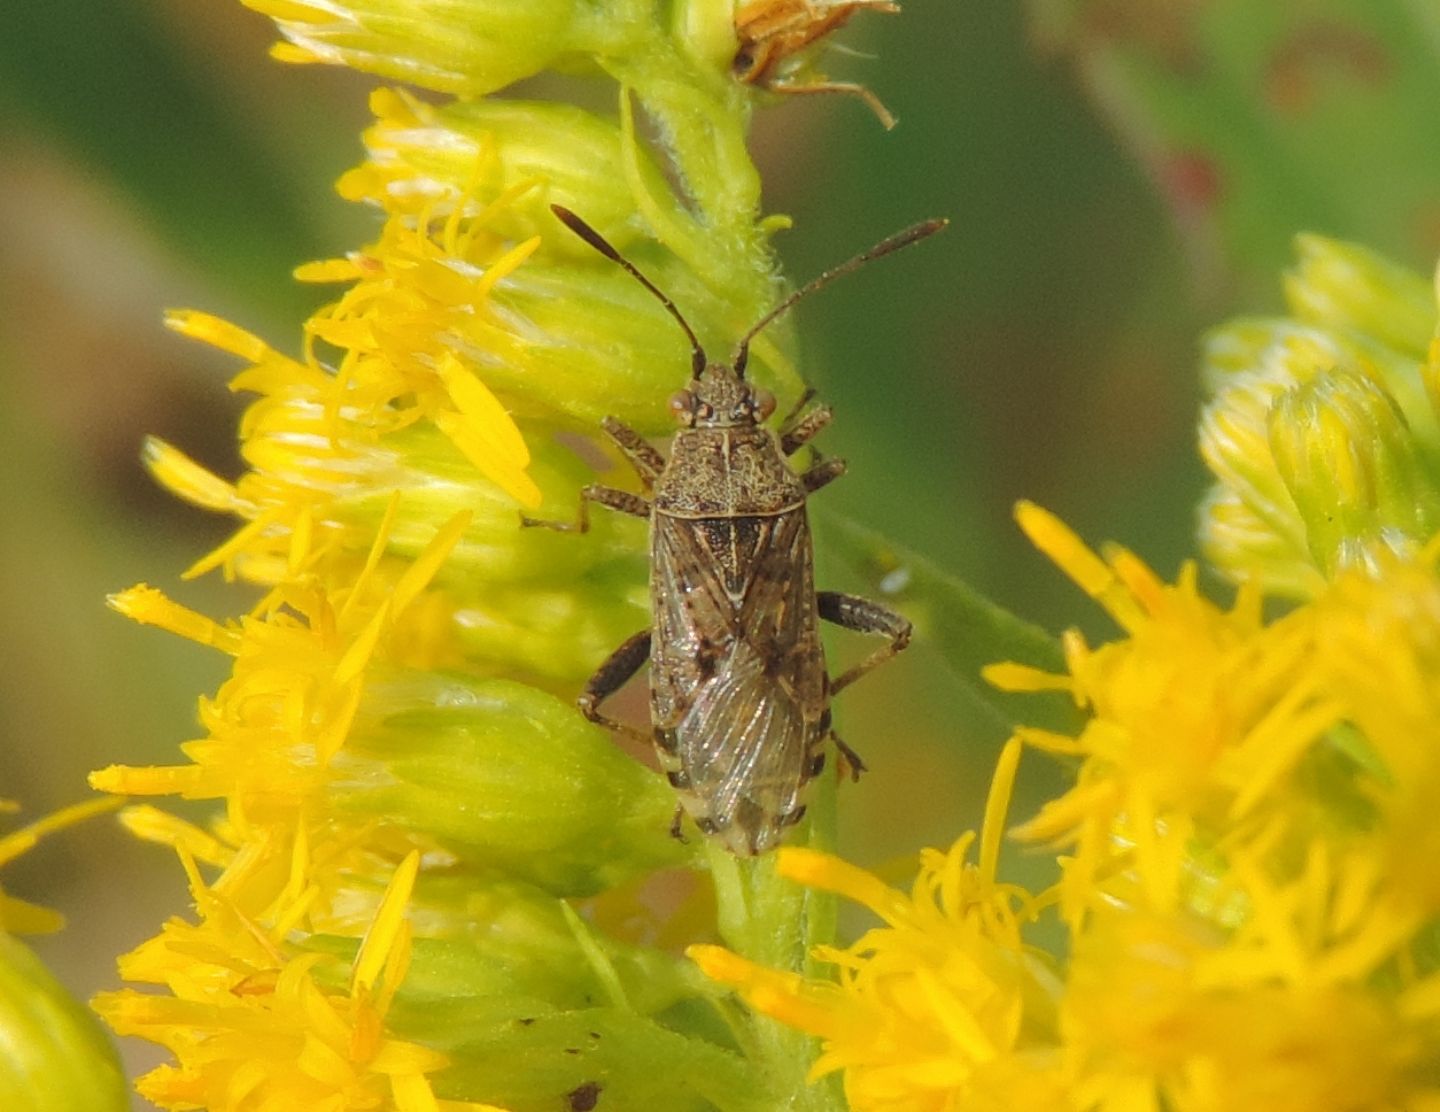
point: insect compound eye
(764, 403)
(682, 405)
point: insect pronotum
(739, 692)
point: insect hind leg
(849, 759)
(610, 677)
(863, 616)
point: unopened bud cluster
(1322, 428)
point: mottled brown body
(739, 693)
(738, 689)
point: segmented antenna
(597, 241)
(910, 235)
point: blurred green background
(1120, 175)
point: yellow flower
(1378, 647)
(396, 749)
(249, 1021)
(1198, 719)
(943, 1006)
(1249, 910)
(1149, 1021)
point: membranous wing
(738, 676)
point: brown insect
(775, 34)
(739, 693)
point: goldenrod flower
(426, 881)
(1247, 895)
(251, 1026)
(943, 1006)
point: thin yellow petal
(329, 270)
(781, 996)
(181, 475)
(149, 606)
(147, 780)
(151, 824)
(1072, 556)
(477, 448)
(218, 333)
(831, 874)
(1009, 676)
(381, 935)
(482, 409)
(418, 575)
(997, 807)
(19, 916)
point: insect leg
(805, 399)
(863, 616)
(872, 102)
(647, 462)
(801, 429)
(610, 677)
(622, 500)
(848, 757)
(827, 470)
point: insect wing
(737, 673)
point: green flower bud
(1360, 317)
(557, 633)
(468, 49)
(590, 342)
(55, 1054)
(479, 941)
(1234, 538)
(533, 153)
(1234, 441)
(1346, 455)
(355, 482)
(506, 777)
(1344, 285)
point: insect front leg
(648, 462)
(610, 677)
(863, 616)
(826, 471)
(622, 500)
(800, 427)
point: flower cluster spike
(426, 885)
(1246, 892)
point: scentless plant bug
(739, 693)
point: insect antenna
(910, 235)
(601, 244)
